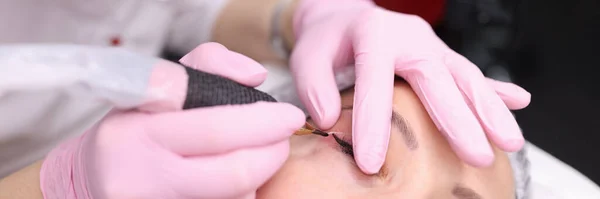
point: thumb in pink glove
(381, 44)
(169, 82)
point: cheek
(322, 175)
(293, 181)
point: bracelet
(277, 41)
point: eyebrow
(401, 124)
(461, 192)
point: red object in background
(115, 41)
(430, 10)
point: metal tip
(319, 132)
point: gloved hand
(76, 85)
(335, 33)
(215, 152)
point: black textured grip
(206, 90)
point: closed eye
(347, 149)
(345, 146)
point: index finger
(372, 109)
(371, 117)
(222, 129)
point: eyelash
(345, 146)
(348, 149)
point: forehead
(401, 88)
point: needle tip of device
(321, 133)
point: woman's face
(419, 164)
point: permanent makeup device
(212, 90)
(310, 130)
(305, 131)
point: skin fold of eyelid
(348, 149)
(345, 146)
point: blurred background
(549, 47)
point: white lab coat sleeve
(113, 74)
(51, 92)
(192, 24)
(34, 122)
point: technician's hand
(216, 152)
(336, 33)
(220, 152)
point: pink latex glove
(215, 152)
(335, 33)
(168, 83)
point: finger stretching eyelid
(382, 177)
(383, 173)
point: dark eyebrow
(461, 192)
(401, 124)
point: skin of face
(424, 168)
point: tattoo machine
(206, 90)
